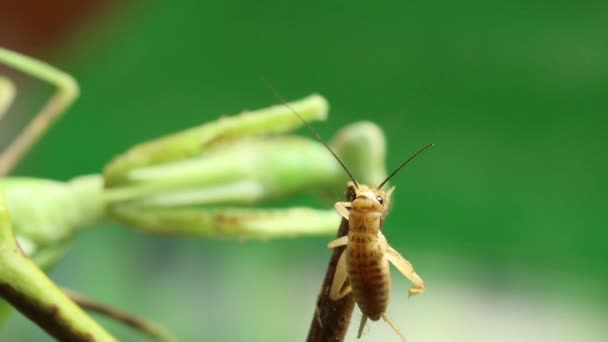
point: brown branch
(47, 316)
(144, 326)
(26, 288)
(332, 318)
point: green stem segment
(30, 291)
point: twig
(146, 327)
(332, 318)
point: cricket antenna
(404, 163)
(310, 128)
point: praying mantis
(163, 186)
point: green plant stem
(30, 291)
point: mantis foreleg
(66, 94)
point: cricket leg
(341, 241)
(361, 325)
(342, 209)
(338, 290)
(390, 322)
(407, 269)
(66, 94)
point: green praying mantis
(206, 181)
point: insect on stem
(404, 163)
(359, 249)
(310, 128)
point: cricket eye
(380, 200)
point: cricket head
(369, 199)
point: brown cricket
(363, 267)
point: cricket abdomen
(368, 269)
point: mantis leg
(341, 241)
(338, 290)
(405, 267)
(7, 94)
(342, 209)
(61, 100)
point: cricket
(363, 267)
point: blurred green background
(505, 220)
